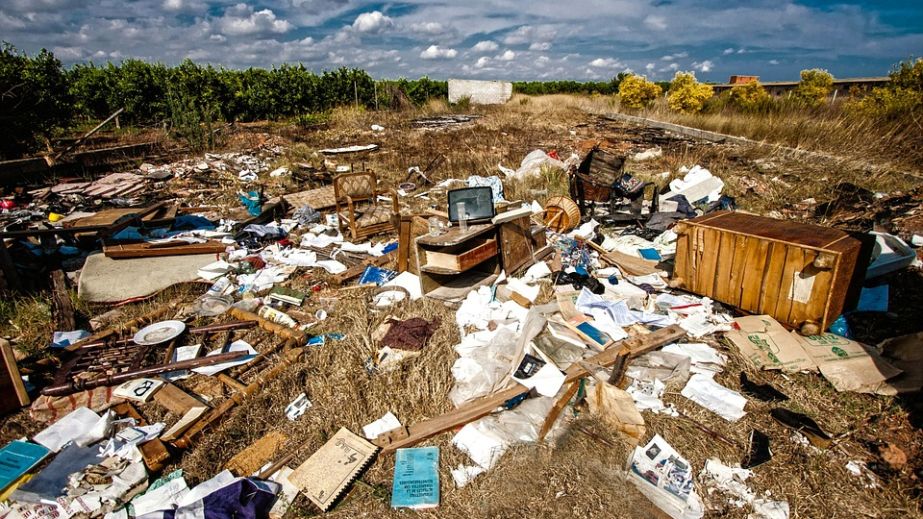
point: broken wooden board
(333, 467)
(471, 411)
(13, 393)
(151, 250)
(175, 400)
(319, 199)
(260, 452)
(155, 454)
(62, 308)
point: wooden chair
(358, 208)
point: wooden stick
(633, 346)
(630, 265)
(216, 414)
(276, 329)
(559, 406)
(62, 308)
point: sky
(482, 39)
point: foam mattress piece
(107, 280)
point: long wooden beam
(631, 347)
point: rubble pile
(644, 291)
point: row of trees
(685, 94)
(902, 96)
(611, 87)
(38, 96)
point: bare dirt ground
(580, 474)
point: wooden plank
(710, 261)
(516, 247)
(754, 270)
(175, 400)
(476, 409)
(628, 264)
(150, 250)
(13, 393)
(454, 236)
(822, 292)
(735, 285)
(725, 254)
(447, 262)
(772, 281)
(62, 308)
(357, 270)
(794, 259)
(155, 455)
(559, 406)
(701, 283)
(681, 261)
(403, 243)
(256, 455)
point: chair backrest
(356, 185)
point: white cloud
(437, 52)
(675, 56)
(727, 51)
(773, 62)
(530, 34)
(431, 28)
(649, 67)
(173, 5)
(606, 63)
(540, 46)
(673, 66)
(655, 22)
(485, 46)
(241, 19)
(507, 55)
(373, 22)
(482, 62)
(703, 66)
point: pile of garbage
(555, 321)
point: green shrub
(903, 96)
(637, 92)
(463, 104)
(750, 96)
(686, 94)
(34, 100)
(815, 85)
(312, 120)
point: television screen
(478, 202)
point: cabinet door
(516, 245)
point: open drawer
(461, 257)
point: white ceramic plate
(159, 332)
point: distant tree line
(39, 97)
(611, 87)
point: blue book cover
(416, 478)
(650, 254)
(17, 458)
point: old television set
(479, 204)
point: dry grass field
(580, 473)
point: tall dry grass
(832, 129)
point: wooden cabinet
(797, 273)
(454, 263)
